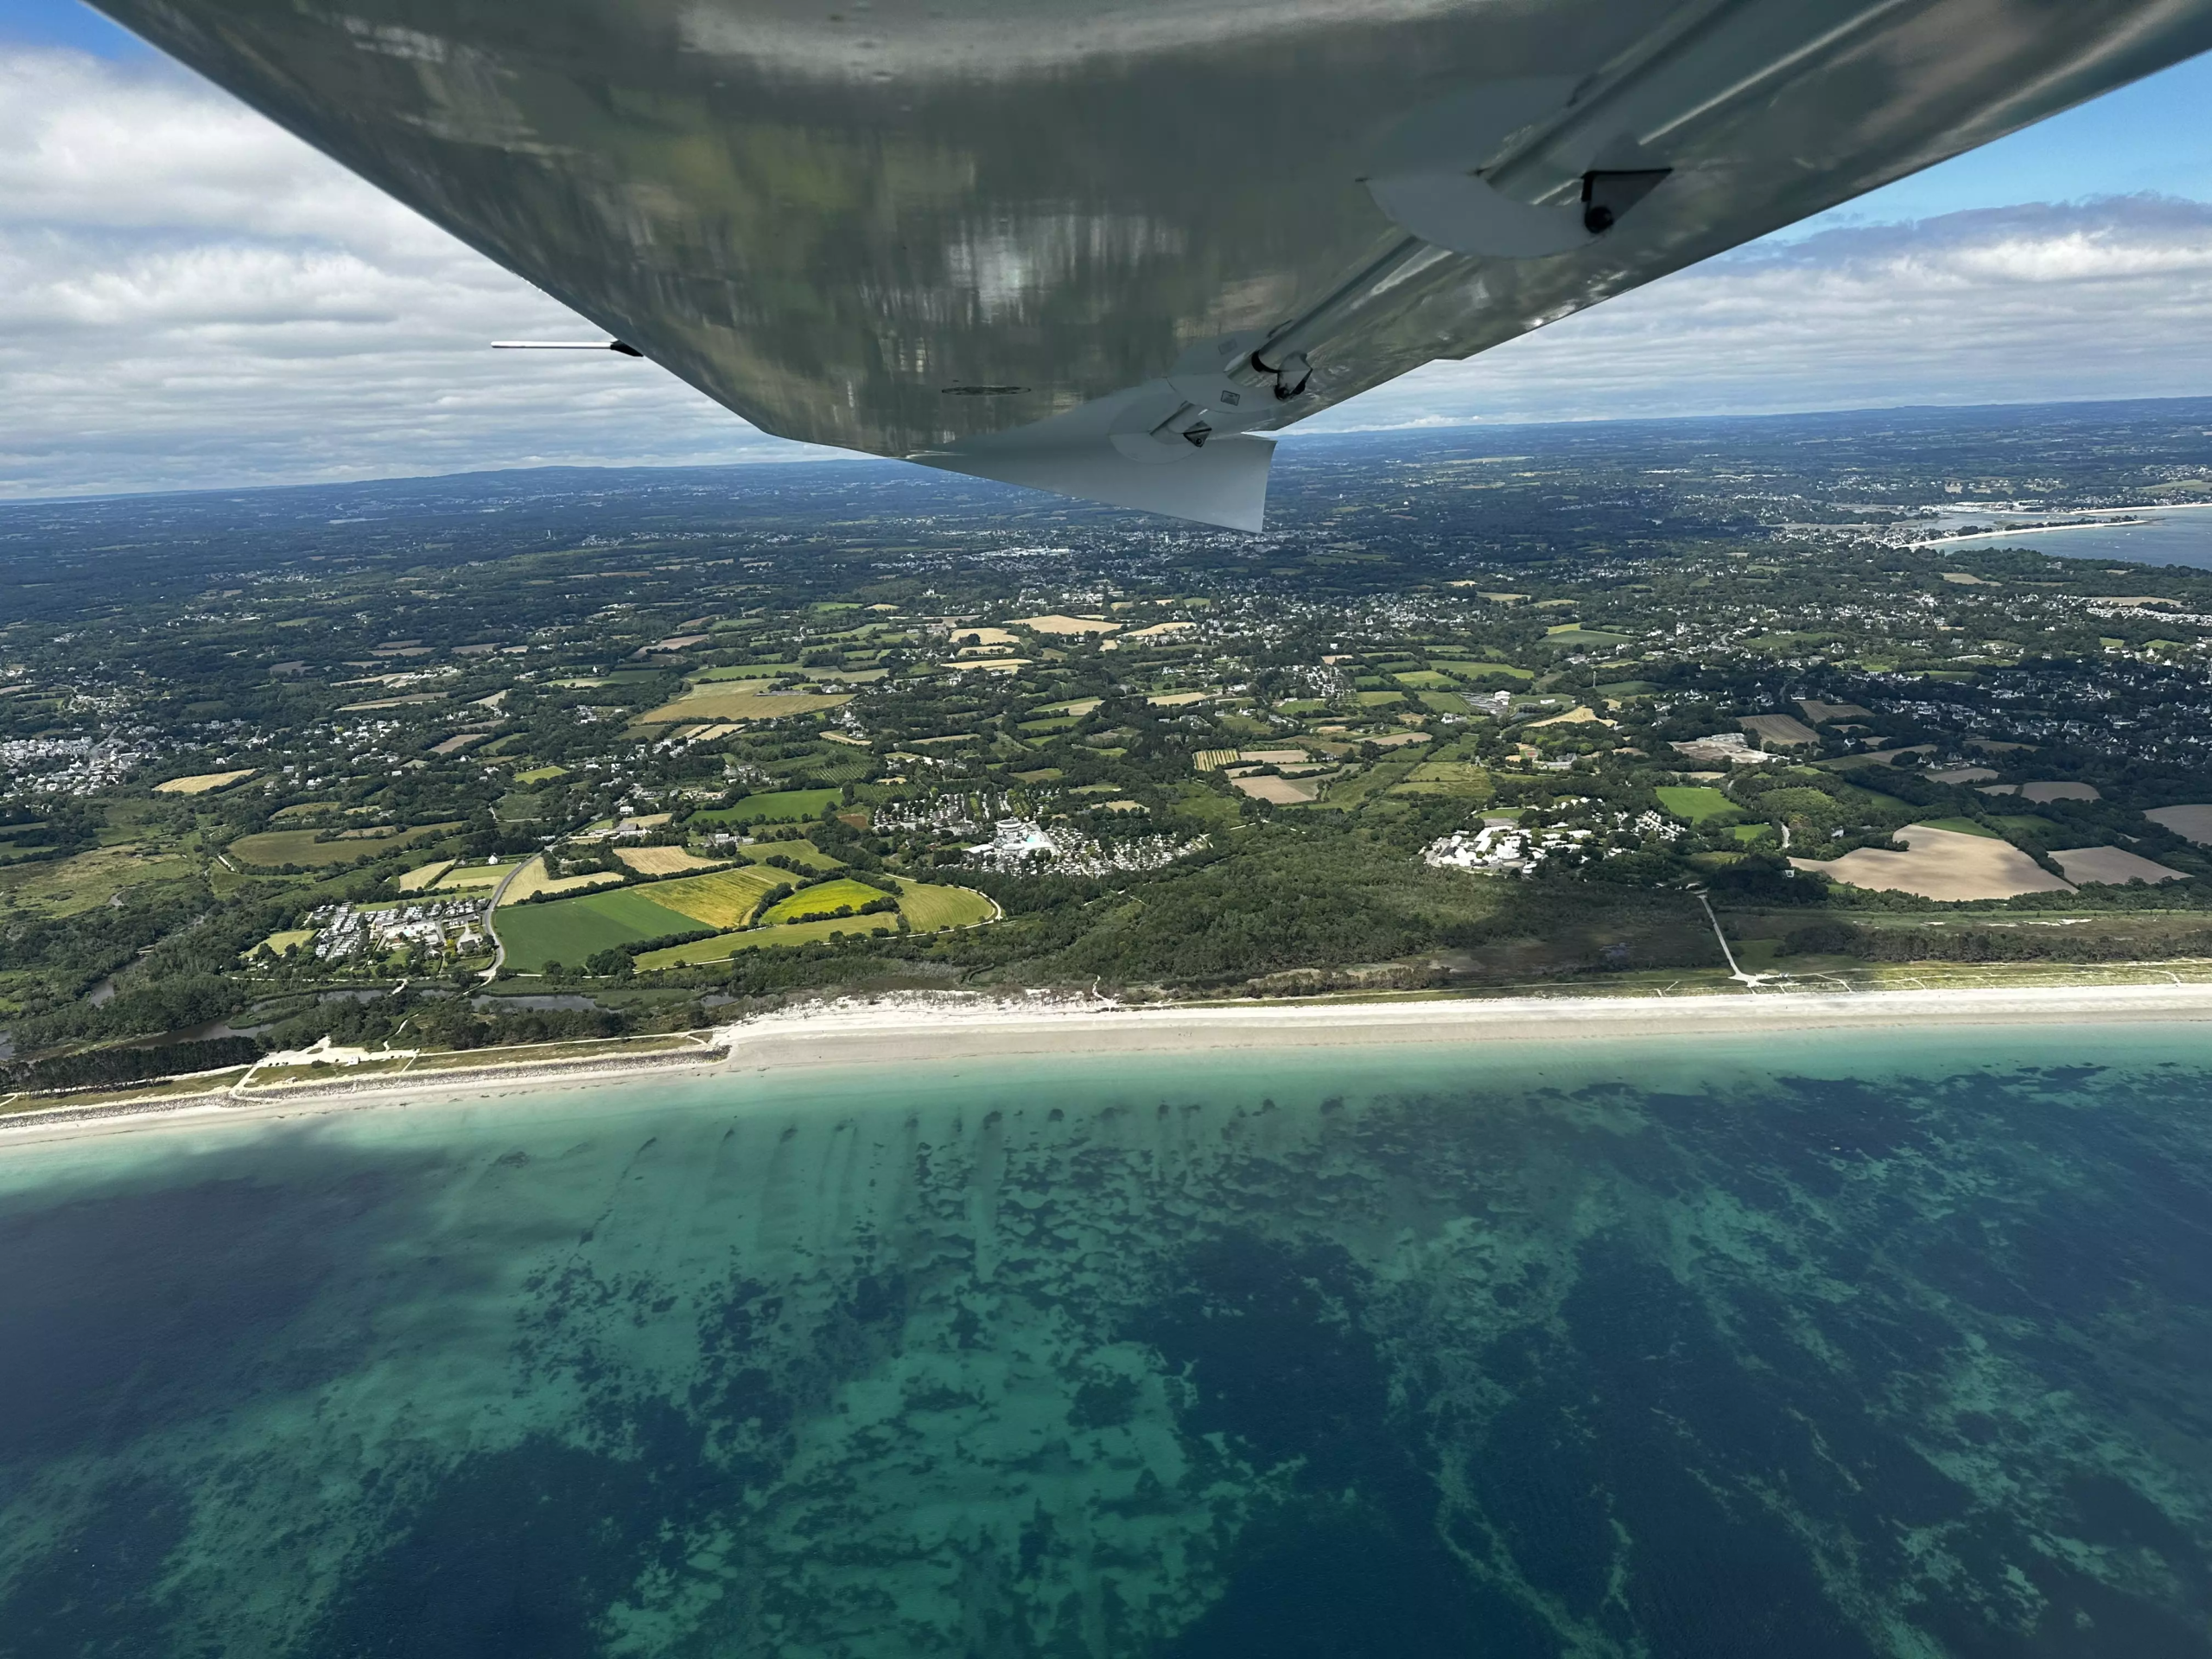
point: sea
(2169, 536)
(1787, 1345)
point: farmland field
(418, 881)
(301, 847)
(1462, 778)
(665, 860)
(825, 897)
(802, 853)
(776, 806)
(532, 879)
(932, 909)
(747, 671)
(737, 702)
(474, 875)
(568, 930)
(726, 899)
(1941, 864)
(927, 909)
(1694, 802)
(1484, 670)
(202, 783)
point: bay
(1795, 1346)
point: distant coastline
(910, 1031)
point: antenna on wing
(622, 346)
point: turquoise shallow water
(1808, 1346)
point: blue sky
(197, 299)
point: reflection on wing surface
(1003, 237)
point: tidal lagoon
(1804, 1343)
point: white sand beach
(910, 1031)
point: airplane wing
(1104, 247)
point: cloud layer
(195, 299)
(2035, 303)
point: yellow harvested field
(726, 899)
(473, 875)
(202, 783)
(1581, 714)
(2189, 822)
(1941, 864)
(1176, 699)
(732, 702)
(459, 742)
(963, 635)
(1161, 630)
(665, 860)
(2112, 866)
(1275, 757)
(1077, 625)
(1283, 792)
(277, 944)
(427, 877)
(531, 879)
(995, 665)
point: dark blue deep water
(1792, 1348)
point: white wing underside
(1101, 249)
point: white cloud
(2038, 303)
(195, 298)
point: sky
(196, 299)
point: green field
(928, 909)
(1460, 778)
(273, 846)
(1694, 803)
(724, 899)
(1425, 679)
(826, 896)
(1470, 671)
(777, 806)
(747, 671)
(1585, 639)
(541, 774)
(1963, 826)
(568, 930)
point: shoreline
(910, 1031)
